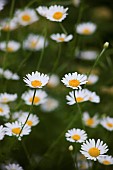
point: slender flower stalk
(62, 27)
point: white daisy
(14, 129)
(11, 46)
(17, 115)
(50, 105)
(74, 80)
(34, 42)
(40, 97)
(87, 54)
(13, 166)
(106, 160)
(81, 96)
(93, 97)
(2, 4)
(5, 97)
(4, 110)
(90, 121)
(26, 16)
(92, 79)
(8, 24)
(61, 37)
(56, 13)
(107, 123)
(2, 132)
(33, 120)
(93, 150)
(36, 79)
(42, 10)
(76, 135)
(86, 28)
(9, 75)
(54, 81)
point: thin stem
(31, 3)
(28, 113)
(63, 29)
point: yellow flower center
(76, 137)
(9, 49)
(57, 15)
(106, 162)
(36, 83)
(79, 99)
(86, 31)
(6, 28)
(29, 123)
(61, 39)
(1, 110)
(90, 122)
(110, 125)
(33, 44)
(16, 131)
(74, 83)
(36, 100)
(26, 18)
(94, 152)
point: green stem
(31, 3)
(62, 27)
(28, 113)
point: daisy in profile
(107, 123)
(2, 4)
(86, 28)
(61, 37)
(33, 120)
(14, 129)
(42, 10)
(40, 97)
(11, 46)
(92, 79)
(26, 16)
(9, 24)
(13, 166)
(34, 42)
(90, 121)
(87, 55)
(77, 96)
(76, 135)
(9, 75)
(5, 97)
(50, 105)
(36, 79)
(106, 160)
(74, 80)
(93, 150)
(2, 132)
(56, 13)
(4, 110)
(54, 81)
(93, 97)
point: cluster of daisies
(8, 74)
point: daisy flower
(61, 37)
(33, 120)
(9, 75)
(2, 132)
(26, 16)
(11, 46)
(93, 150)
(13, 166)
(4, 110)
(107, 123)
(34, 42)
(42, 10)
(2, 4)
(92, 79)
(87, 54)
(93, 97)
(14, 129)
(50, 105)
(40, 97)
(76, 135)
(56, 13)
(9, 24)
(86, 28)
(74, 80)
(81, 96)
(36, 79)
(90, 121)
(5, 97)
(17, 115)
(54, 81)
(106, 160)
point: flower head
(87, 54)
(5, 97)
(107, 123)
(61, 37)
(9, 75)
(106, 160)
(86, 28)
(13, 166)
(90, 121)
(93, 97)
(9, 24)
(4, 110)
(93, 150)
(11, 46)
(42, 10)
(92, 79)
(2, 4)
(53, 81)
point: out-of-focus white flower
(11, 46)
(90, 121)
(2, 4)
(34, 42)
(4, 110)
(5, 97)
(106, 160)
(76, 3)
(50, 105)
(8, 24)
(61, 37)
(93, 97)
(53, 81)
(87, 54)
(42, 10)
(92, 79)
(26, 16)
(9, 75)
(13, 166)
(2, 132)
(107, 123)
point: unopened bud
(106, 45)
(70, 148)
